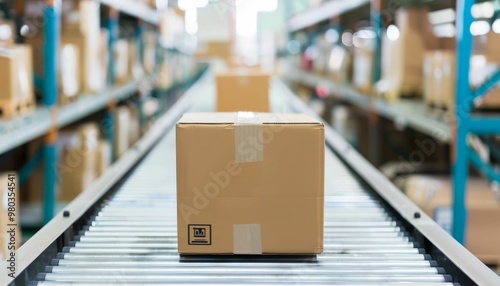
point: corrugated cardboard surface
(224, 207)
(434, 195)
(242, 91)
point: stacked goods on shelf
(81, 27)
(487, 45)
(238, 189)
(122, 130)
(149, 56)
(440, 74)
(135, 69)
(214, 50)
(10, 231)
(323, 49)
(104, 53)
(363, 60)
(122, 57)
(103, 160)
(340, 64)
(16, 80)
(69, 74)
(135, 126)
(434, 196)
(403, 49)
(242, 90)
(78, 161)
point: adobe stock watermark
(251, 147)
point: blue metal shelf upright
(466, 122)
(50, 96)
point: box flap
(231, 117)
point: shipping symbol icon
(200, 234)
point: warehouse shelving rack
(407, 112)
(49, 118)
(467, 122)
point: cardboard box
(92, 77)
(214, 49)
(434, 196)
(440, 80)
(16, 72)
(242, 187)
(122, 130)
(69, 74)
(402, 65)
(362, 70)
(122, 65)
(416, 19)
(10, 237)
(78, 162)
(81, 17)
(242, 91)
(340, 64)
(487, 45)
(103, 157)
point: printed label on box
(200, 234)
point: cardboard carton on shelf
(214, 49)
(103, 157)
(487, 45)
(402, 65)
(434, 196)
(242, 187)
(122, 57)
(16, 80)
(242, 90)
(10, 236)
(69, 74)
(340, 65)
(122, 131)
(78, 162)
(362, 70)
(440, 80)
(92, 77)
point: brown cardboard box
(92, 77)
(78, 162)
(10, 237)
(16, 72)
(16, 81)
(440, 80)
(103, 157)
(434, 196)
(362, 70)
(122, 65)
(340, 64)
(7, 34)
(81, 17)
(242, 91)
(243, 187)
(214, 49)
(487, 45)
(69, 74)
(416, 20)
(122, 130)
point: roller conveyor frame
(419, 234)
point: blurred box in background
(242, 90)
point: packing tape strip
(248, 134)
(247, 239)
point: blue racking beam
(50, 95)
(484, 167)
(488, 85)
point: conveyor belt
(131, 238)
